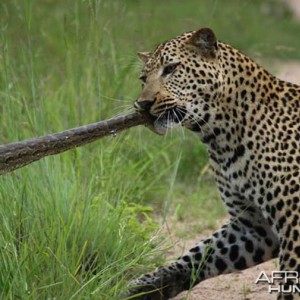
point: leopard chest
(235, 181)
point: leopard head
(180, 81)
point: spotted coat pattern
(250, 123)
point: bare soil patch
(294, 6)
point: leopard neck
(246, 90)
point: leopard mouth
(169, 119)
(163, 119)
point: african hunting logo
(280, 281)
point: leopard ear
(204, 40)
(144, 56)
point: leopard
(249, 122)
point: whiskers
(189, 116)
(123, 106)
(169, 118)
(179, 114)
(123, 109)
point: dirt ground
(241, 286)
(294, 6)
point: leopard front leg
(236, 246)
(289, 257)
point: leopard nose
(144, 104)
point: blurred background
(81, 224)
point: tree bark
(20, 154)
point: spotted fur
(250, 122)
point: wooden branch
(19, 154)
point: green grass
(68, 63)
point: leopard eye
(170, 69)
